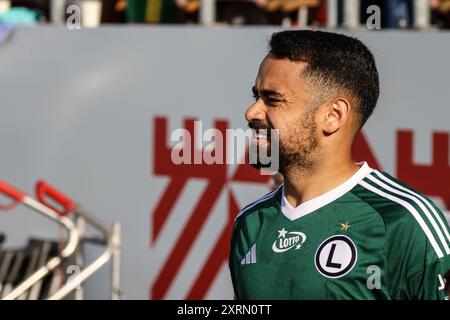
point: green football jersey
(372, 237)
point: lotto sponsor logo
(288, 240)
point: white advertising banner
(93, 112)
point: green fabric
(168, 11)
(137, 11)
(390, 246)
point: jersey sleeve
(432, 282)
(423, 270)
(435, 280)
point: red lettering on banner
(430, 179)
(218, 254)
(217, 181)
(216, 175)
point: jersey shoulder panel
(417, 234)
(407, 212)
(265, 200)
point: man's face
(283, 102)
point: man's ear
(336, 113)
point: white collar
(312, 205)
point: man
(334, 229)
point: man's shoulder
(264, 201)
(407, 213)
(391, 197)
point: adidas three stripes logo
(250, 257)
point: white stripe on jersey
(420, 204)
(251, 205)
(427, 202)
(413, 211)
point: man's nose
(256, 111)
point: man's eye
(272, 102)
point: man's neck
(299, 188)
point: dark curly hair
(336, 64)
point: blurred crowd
(394, 13)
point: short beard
(300, 152)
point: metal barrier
(76, 236)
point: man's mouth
(261, 134)
(260, 138)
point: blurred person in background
(399, 13)
(292, 7)
(187, 11)
(114, 11)
(42, 6)
(29, 10)
(441, 12)
(152, 11)
(279, 11)
(238, 12)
